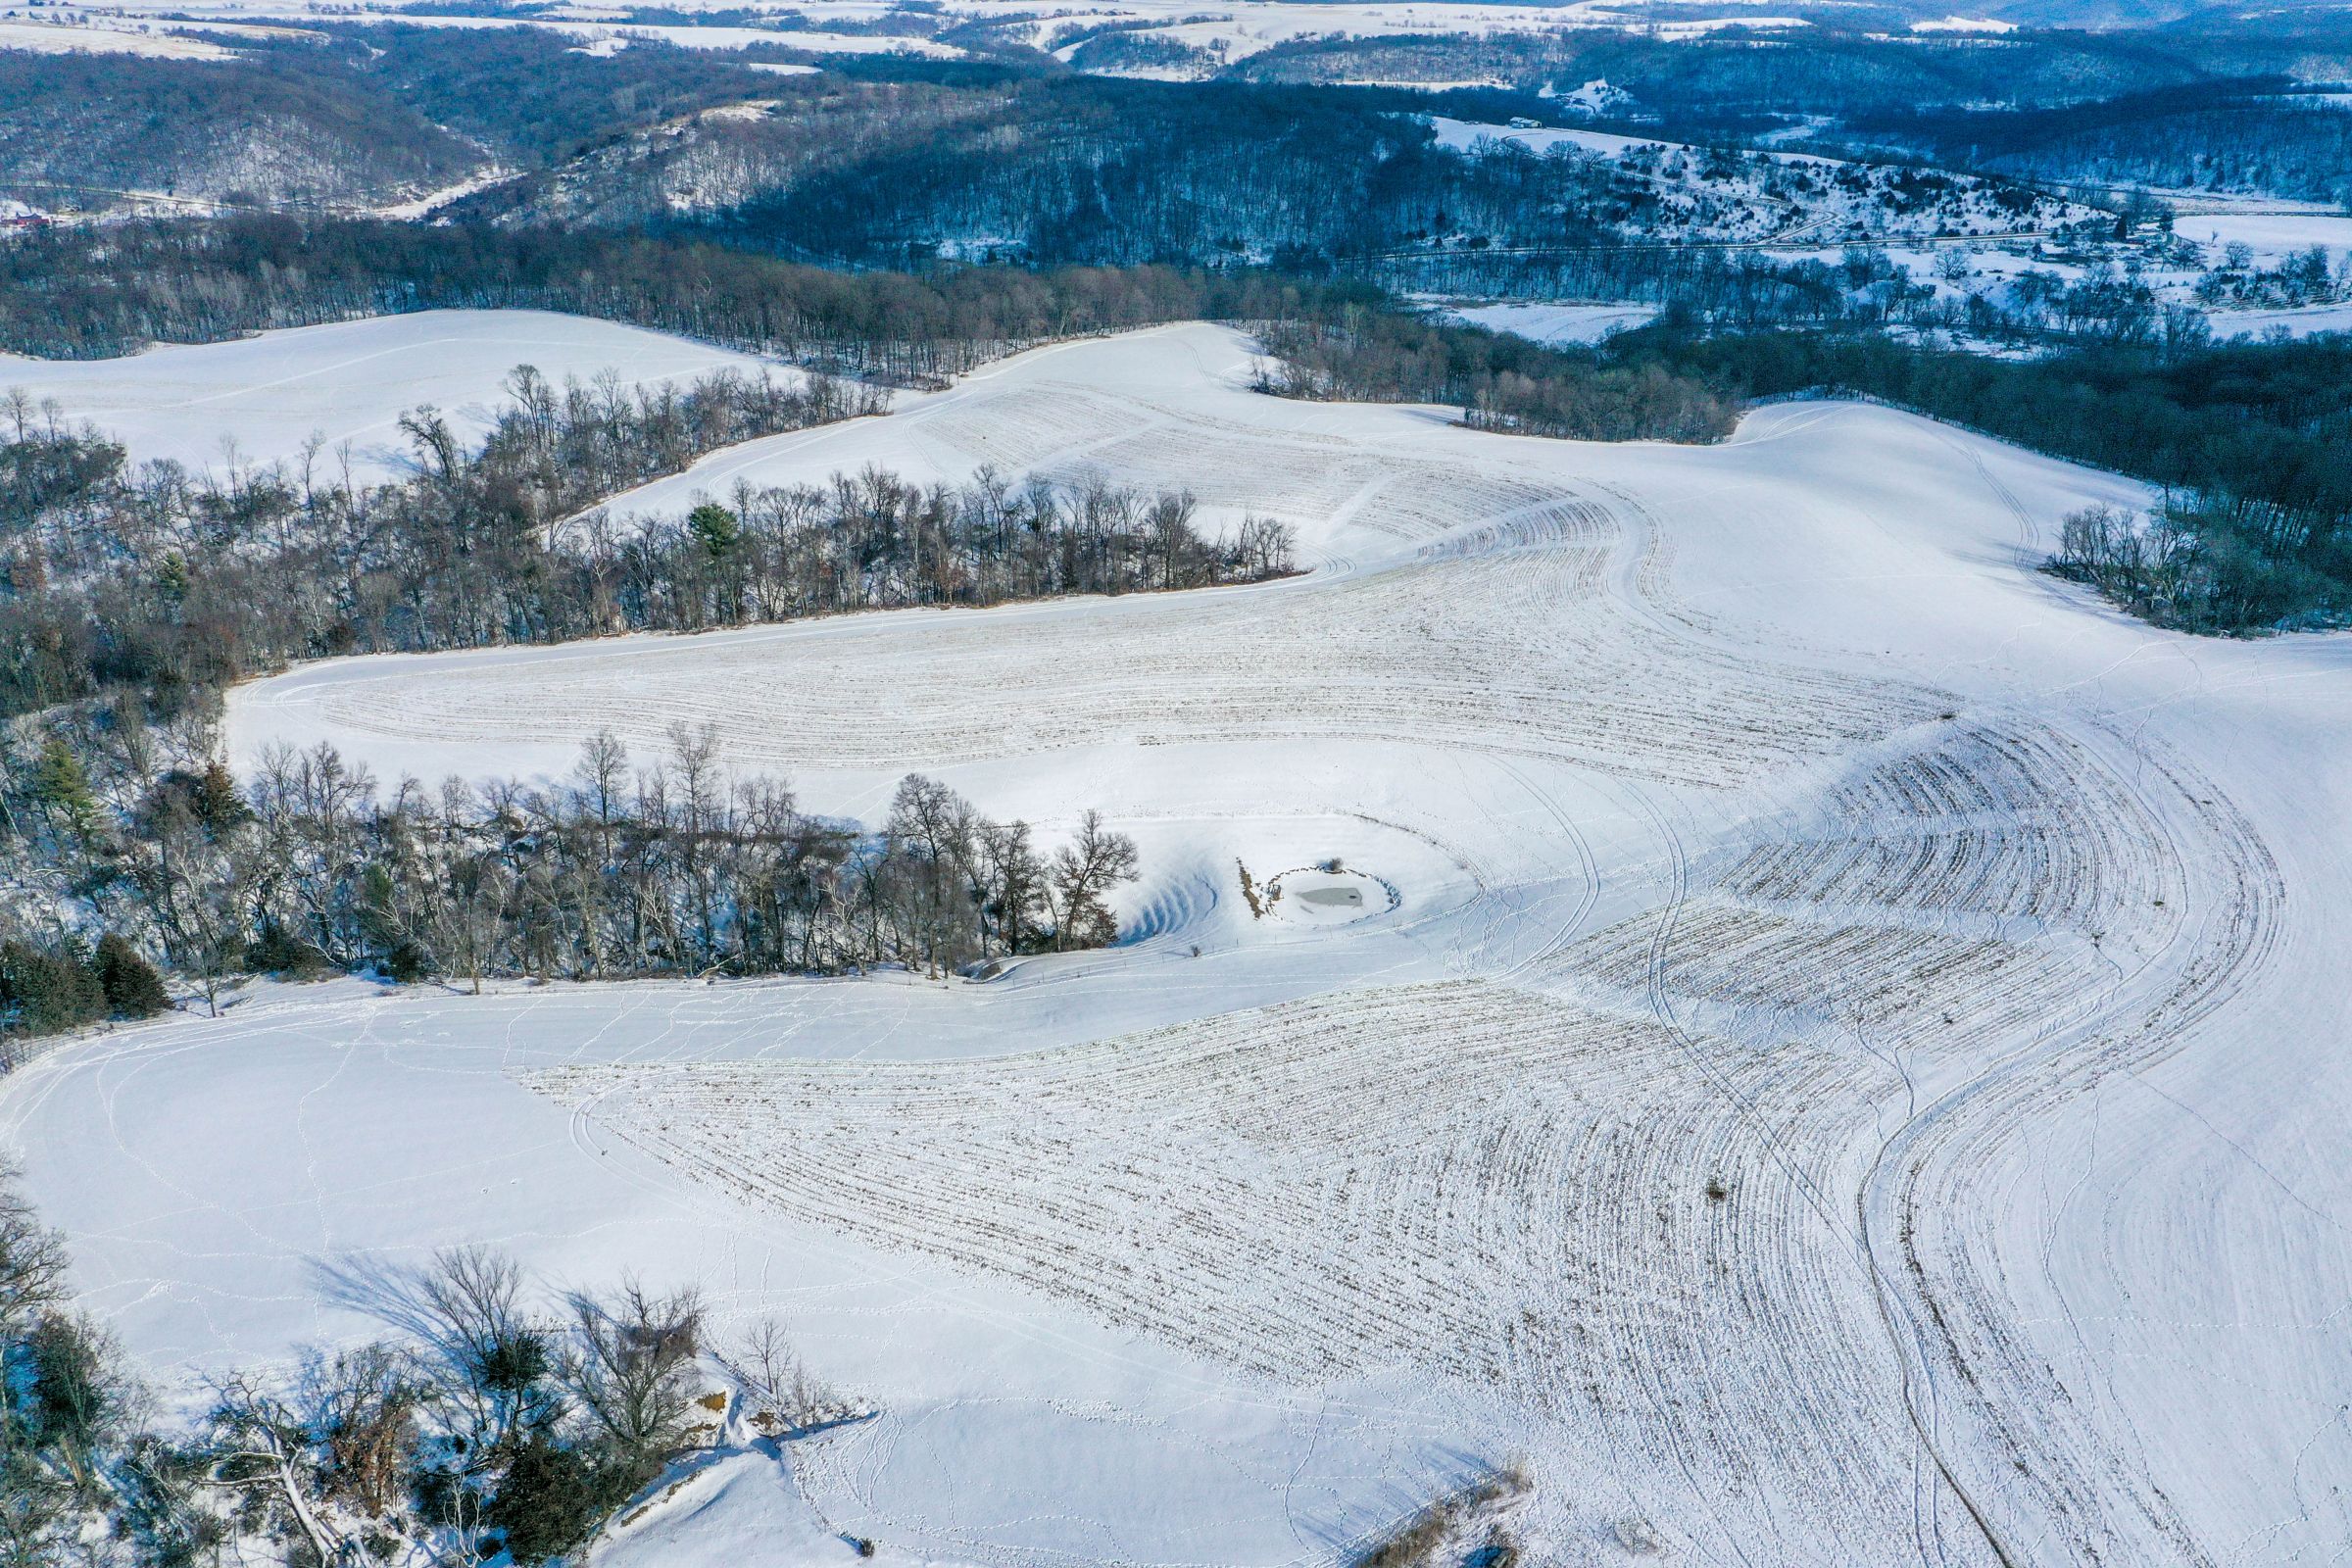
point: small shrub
(278, 951)
(407, 962)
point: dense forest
(70, 293)
(887, 166)
(334, 119)
(1001, 146)
(1084, 170)
(1735, 80)
(86, 132)
(2258, 135)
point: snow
(348, 382)
(1235, 32)
(1843, 1061)
(2308, 322)
(50, 38)
(432, 201)
(1556, 323)
(2272, 235)
(739, 1507)
(607, 37)
(1960, 23)
(1463, 134)
(1594, 97)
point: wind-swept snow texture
(260, 398)
(1841, 1059)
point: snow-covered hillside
(1555, 323)
(1836, 1055)
(266, 395)
(1745, 197)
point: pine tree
(61, 784)
(44, 993)
(133, 988)
(715, 526)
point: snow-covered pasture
(81, 38)
(1555, 323)
(265, 397)
(2271, 236)
(2311, 321)
(1843, 1063)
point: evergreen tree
(131, 987)
(714, 526)
(61, 786)
(42, 993)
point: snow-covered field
(349, 383)
(51, 38)
(1839, 1057)
(2309, 322)
(1555, 323)
(2271, 236)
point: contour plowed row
(1559, 1210)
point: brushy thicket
(489, 1421)
(1499, 381)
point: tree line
(672, 864)
(70, 293)
(1499, 381)
(168, 584)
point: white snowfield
(59, 38)
(2308, 320)
(1555, 323)
(263, 398)
(1234, 31)
(1839, 1056)
(2271, 236)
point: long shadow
(392, 1294)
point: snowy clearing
(1461, 135)
(2269, 235)
(50, 38)
(348, 382)
(1555, 323)
(2309, 322)
(1835, 1055)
